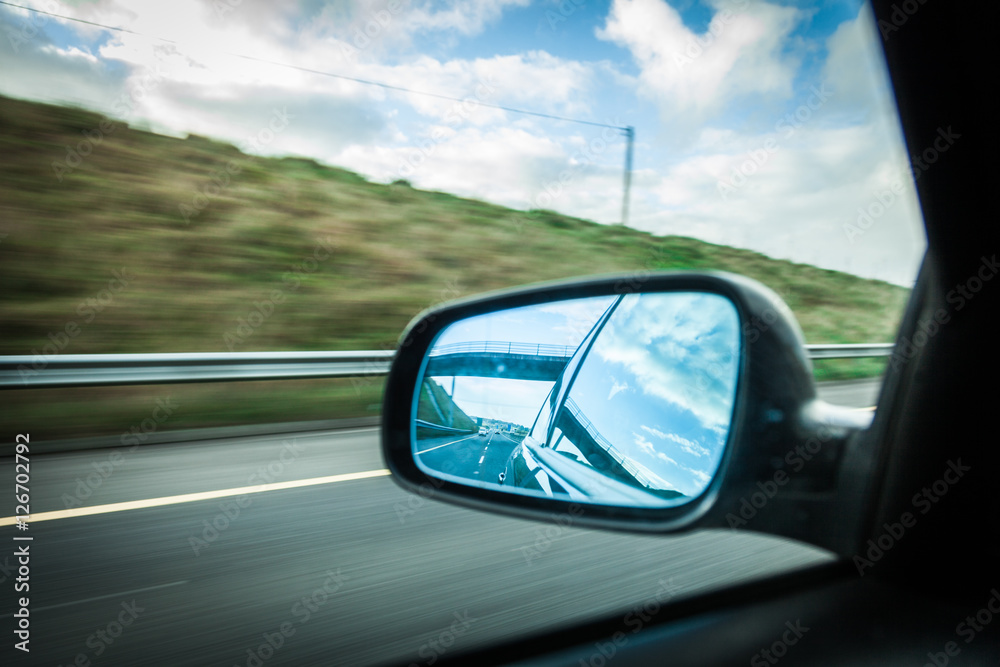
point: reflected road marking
(474, 435)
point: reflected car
(577, 446)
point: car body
(567, 451)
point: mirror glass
(615, 400)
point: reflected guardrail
(420, 423)
(500, 347)
(606, 445)
(92, 370)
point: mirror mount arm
(805, 486)
(825, 431)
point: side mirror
(651, 409)
(614, 400)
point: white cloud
(467, 17)
(654, 432)
(666, 459)
(679, 348)
(645, 445)
(793, 189)
(701, 476)
(854, 70)
(580, 315)
(741, 53)
(202, 88)
(617, 388)
(70, 53)
(689, 446)
(693, 481)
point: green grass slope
(114, 239)
(216, 250)
(433, 398)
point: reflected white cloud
(578, 315)
(658, 385)
(689, 446)
(617, 387)
(682, 349)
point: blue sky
(660, 384)
(766, 125)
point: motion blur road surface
(353, 571)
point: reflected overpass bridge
(498, 359)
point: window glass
(244, 176)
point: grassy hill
(435, 406)
(148, 243)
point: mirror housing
(784, 453)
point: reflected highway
(468, 456)
(348, 570)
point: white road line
(474, 435)
(190, 497)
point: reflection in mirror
(616, 400)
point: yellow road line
(190, 497)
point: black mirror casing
(780, 466)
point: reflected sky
(658, 385)
(517, 401)
(514, 401)
(557, 323)
(660, 382)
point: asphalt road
(469, 456)
(348, 571)
(852, 393)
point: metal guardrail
(420, 423)
(849, 350)
(91, 370)
(81, 370)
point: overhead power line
(344, 77)
(628, 131)
(70, 18)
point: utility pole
(630, 140)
